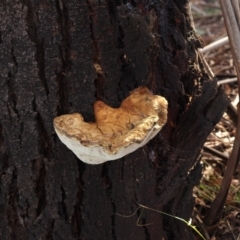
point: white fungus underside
(97, 154)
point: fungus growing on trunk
(117, 131)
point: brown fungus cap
(117, 131)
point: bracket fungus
(117, 131)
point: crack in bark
(38, 169)
(64, 50)
(32, 24)
(96, 59)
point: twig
(228, 80)
(208, 69)
(204, 4)
(232, 113)
(208, 16)
(198, 10)
(202, 226)
(215, 45)
(216, 152)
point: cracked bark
(59, 57)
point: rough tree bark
(58, 57)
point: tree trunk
(59, 57)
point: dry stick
(216, 152)
(235, 5)
(198, 10)
(215, 45)
(212, 5)
(206, 66)
(208, 16)
(228, 80)
(234, 39)
(232, 113)
(202, 227)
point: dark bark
(49, 51)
